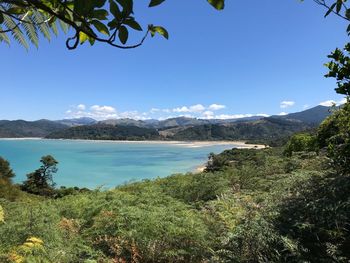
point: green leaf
(99, 3)
(347, 13)
(160, 30)
(155, 3)
(100, 14)
(218, 4)
(114, 9)
(83, 37)
(339, 5)
(16, 10)
(330, 9)
(133, 24)
(123, 34)
(127, 6)
(100, 27)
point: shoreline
(237, 144)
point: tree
(90, 20)
(40, 182)
(6, 173)
(334, 135)
(301, 142)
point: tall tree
(6, 173)
(40, 181)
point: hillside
(21, 128)
(267, 130)
(77, 121)
(313, 116)
(106, 132)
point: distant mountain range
(256, 128)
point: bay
(104, 164)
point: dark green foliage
(106, 132)
(40, 182)
(339, 68)
(317, 217)
(216, 163)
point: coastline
(236, 144)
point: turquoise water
(107, 164)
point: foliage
(339, 68)
(238, 212)
(90, 20)
(317, 216)
(40, 182)
(106, 132)
(6, 173)
(2, 215)
(301, 142)
(334, 135)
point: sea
(106, 164)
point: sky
(254, 58)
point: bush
(301, 142)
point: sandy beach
(236, 144)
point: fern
(27, 28)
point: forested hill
(21, 128)
(264, 130)
(106, 132)
(258, 129)
(311, 116)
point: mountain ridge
(179, 128)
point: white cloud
(215, 107)
(103, 109)
(191, 109)
(182, 109)
(239, 116)
(197, 108)
(154, 110)
(283, 113)
(105, 112)
(208, 115)
(81, 107)
(287, 104)
(327, 103)
(306, 106)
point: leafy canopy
(106, 21)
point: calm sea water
(107, 164)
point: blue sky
(264, 57)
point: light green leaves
(2, 216)
(160, 30)
(217, 4)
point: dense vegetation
(20, 128)
(106, 132)
(268, 205)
